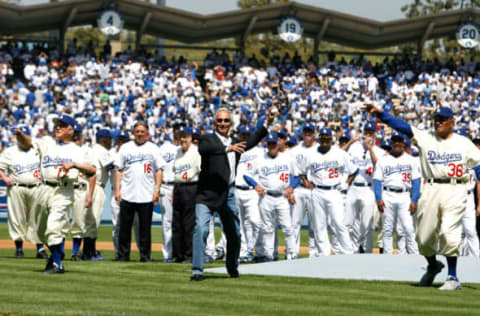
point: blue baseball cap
(282, 133)
(386, 144)
(443, 111)
(65, 119)
(397, 136)
(292, 140)
(271, 138)
(370, 126)
(77, 128)
(345, 136)
(325, 131)
(244, 129)
(24, 129)
(196, 131)
(308, 126)
(103, 133)
(185, 130)
(124, 135)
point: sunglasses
(219, 120)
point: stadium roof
(189, 27)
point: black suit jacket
(215, 170)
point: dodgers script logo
(436, 158)
(182, 168)
(360, 162)
(315, 167)
(131, 159)
(275, 169)
(246, 158)
(388, 170)
(21, 169)
(168, 157)
(49, 161)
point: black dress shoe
(146, 259)
(187, 260)
(234, 274)
(197, 277)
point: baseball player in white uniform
(137, 186)
(100, 155)
(273, 170)
(470, 245)
(397, 190)
(247, 198)
(323, 170)
(83, 192)
(121, 139)
(168, 151)
(360, 198)
(444, 158)
(303, 195)
(22, 164)
(61, 162)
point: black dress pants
(127, 213)
(183, 222)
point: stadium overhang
(188, 27)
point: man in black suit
(220, 155)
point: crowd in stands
(116, 91)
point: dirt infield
(108, 245)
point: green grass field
(164, 289)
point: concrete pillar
(161, 41)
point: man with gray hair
(219, 158)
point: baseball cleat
(429, 276)
(208, 259)
(19, 254)
(42, 254)
(219, 254)
(451, 284)
(54, 269)
(76, 257)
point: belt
(343, 191)
(185, 183)
(362, 184)
(24, 185)
(396, 190)
(326, 187)
(469, 191)
(56, 184)
(244, 188)
(446, 181)
(168, 183)
(274, 193)
(80, 186)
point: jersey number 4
(455, 170)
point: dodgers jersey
(397, 172)
(246, 164)
(273, 174)
(53, 153)
(23, 166)
(299, 154)
(328, 169)
(139, 164)
(103, 161)
(187, 165)
(445, 158)
(361, 158)
(168, 152)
